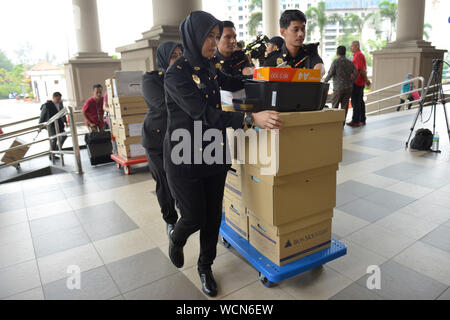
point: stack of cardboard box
(128, 110)
(288, 213)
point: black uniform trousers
(200, 204)
(54, 142)
(358, 104)
(163, 194)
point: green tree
(255, 17)
(5, 63)
(317, 18)
(426, 29)
(388, 10)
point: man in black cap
(226, 58)
(294, 52)
(274, 44)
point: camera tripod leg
(419, 110)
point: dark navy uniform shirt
(155, 123)
(308, 52)
(232, 66)
(193, 94)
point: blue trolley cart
(270, 273)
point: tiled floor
(393, 211)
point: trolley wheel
(126, 170)
(225, 243)
(265, 281)
(118, 165)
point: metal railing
(69, 111)
(414, 103)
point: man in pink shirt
(93, 110)
(358, 105)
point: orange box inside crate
(287, 74)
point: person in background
(93, 110)
(48, 111)
(155, 127)
(344, 74)
(226, 58)
(240, 45)
(358, 104)
(407, 87)
(193, 102)
(294, 52)
(274, 44)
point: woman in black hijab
(193, 102)
(155, 126)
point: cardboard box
(128, 151)
(130, 119)
(234, 176)
(17, 154)
(236, 217)
(129, 130)
(287, 74)
(306, 141)
(128, 141)
(128, 107)
(127, 83)
(114, 128)
(292, 241)
(280, 200)
(110, 91)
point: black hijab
(164, 52)
(194, 31)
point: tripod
(435, 80)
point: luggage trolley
(122, 162)
(269, 272)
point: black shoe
(209, 285)
(169, 229)
(398, 109)
(175, 253)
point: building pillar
(408, 54)
(271, 17)
(90, 65)
(167, 16)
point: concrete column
(408, 54)
(167, 16)
(90, 65)
(410, 20)
(86, 27)
(172, 12)
(271, 17)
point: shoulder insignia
(196, 79)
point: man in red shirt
(358, 105)
(93, 110)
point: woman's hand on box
(267, 120)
